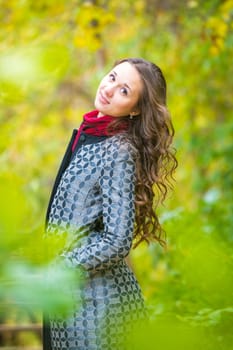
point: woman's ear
(135, 113)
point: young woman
(114, 174)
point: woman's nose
(109, 90)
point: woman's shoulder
(120, 144)
(119, 148)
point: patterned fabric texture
(94, 207)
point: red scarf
(97, 126)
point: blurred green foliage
(52, 56)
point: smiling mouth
(103, 99)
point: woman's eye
(112, 77)
(124, 91)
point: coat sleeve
(117, 183)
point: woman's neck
(99, 115)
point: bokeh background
(53, 54)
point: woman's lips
(103, 99)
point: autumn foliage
(52, 56)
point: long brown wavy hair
(151, 134)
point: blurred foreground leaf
(169, 333)
(29, 275)
(39, 288)
(27, 69)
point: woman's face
(119, 91)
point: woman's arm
(117, 185)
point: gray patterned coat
(93, 200)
